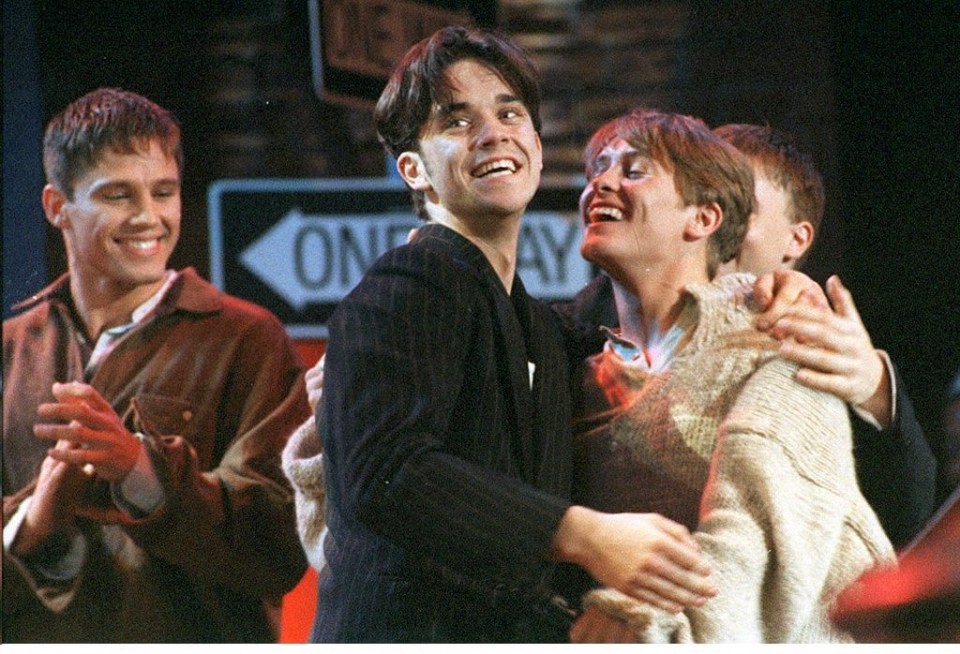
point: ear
(704, 222)
(801, 238)
(53, 202)
(412, 170)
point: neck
(649, 301)
(497, 238)
(102, 304)
(731, 266)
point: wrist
(880, 403)
(571, 542)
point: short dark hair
(776, 153)
(418, 83)
(705, 169)
(105, 118)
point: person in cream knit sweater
(689, 411)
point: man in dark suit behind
(447, 442)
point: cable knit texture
(727, 443)
(302, 462)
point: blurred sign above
(354, 44)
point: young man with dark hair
(446, 424)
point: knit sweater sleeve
(775, 521)
(302, 463)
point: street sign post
(298, 246)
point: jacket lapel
(513, 368)
(518, 373)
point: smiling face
(633, 215)
(123, 222)
(479, 156)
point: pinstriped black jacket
(447, 450)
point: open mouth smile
(603, 213)
(495, 168)
(140, 245)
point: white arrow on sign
(318, 258)
(308, 258)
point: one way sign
(298, 246)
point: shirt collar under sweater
(658, 352)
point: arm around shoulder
(896, 468)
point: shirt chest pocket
(159, 415)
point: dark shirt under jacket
(446, 472)
(896, 468)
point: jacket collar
(189, 292)
(463, 249)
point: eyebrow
(630, 156)
(453, 107)
(122, 182)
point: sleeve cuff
(649, 623)
(12, 527)
(868, 417)
(61, 561)
(140, 493)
